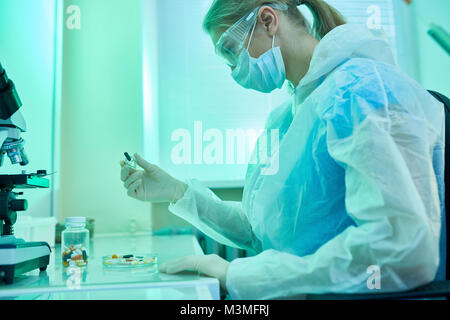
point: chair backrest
(446, 102)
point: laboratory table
(97, 282)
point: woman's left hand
(210, 265)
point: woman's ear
(269, 20)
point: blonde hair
(224, 13)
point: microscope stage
(23, 181)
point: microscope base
(17, 259)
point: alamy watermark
(374, 20)
(232, 147)
(374, 281)
(74, 276)
(73, 21)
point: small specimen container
(75, 243)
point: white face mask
(263, 74)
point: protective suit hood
(343, 43)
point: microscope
(16, 256)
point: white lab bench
(97, 282)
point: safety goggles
(232, 42)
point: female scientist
(361, 152)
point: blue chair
(436, 289)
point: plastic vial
(131, 162)
(75, 242)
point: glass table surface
(97, 281)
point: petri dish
(130, 261)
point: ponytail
(326, 18)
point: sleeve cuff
(179, 208)
(235, 282)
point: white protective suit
(359, 182)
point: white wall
(101, 114)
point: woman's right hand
(151, 184)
